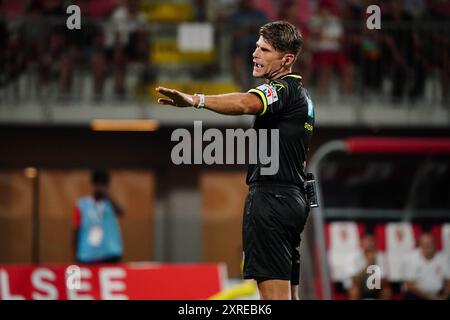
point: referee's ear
(289, 59)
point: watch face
(201, 102)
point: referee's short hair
(283, 36)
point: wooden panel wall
(15, 217)
(223, 195)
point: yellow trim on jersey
(293, 76)
(263, 98)
(308, 126)
(277, 84)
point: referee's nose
(254, 55)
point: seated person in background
(427, 273)
(359, 273)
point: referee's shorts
(274, 218)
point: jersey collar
(292, 75)
(289, 75)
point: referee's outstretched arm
(229, 103)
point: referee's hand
(175, 98)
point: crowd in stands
(412, 46)
(112, 34)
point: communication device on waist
(310, 187)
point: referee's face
(267, 62)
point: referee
(276, 209)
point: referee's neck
(279, 75)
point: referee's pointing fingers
(165, 91)
(166, 101)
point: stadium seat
(400, 241)
(343, 240)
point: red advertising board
(143, 281)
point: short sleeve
(357, 264)
(274, 96)
(410, 268)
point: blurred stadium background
(57, 87)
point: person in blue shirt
(97, 237)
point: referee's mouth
(257, 67)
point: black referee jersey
(288, 108)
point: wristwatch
(201, 103)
